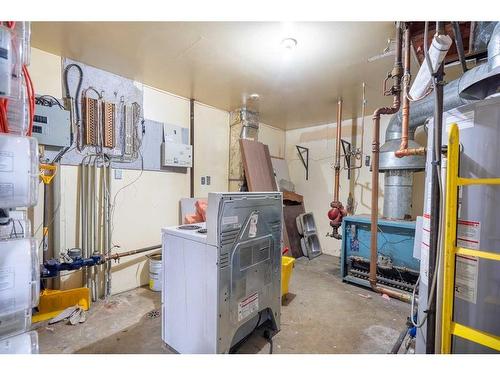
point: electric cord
(432, 291)
(113, 204)
(269, 337)
(48, 101)
(54, 213)
(235, 348)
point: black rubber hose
(399, 342)
(269, 337)
(460, 46)
(236, 347)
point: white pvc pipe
(437, 51)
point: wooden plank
(257, 165)
(290, 213)
(292, 197)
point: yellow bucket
(286, 273)
(53, 302)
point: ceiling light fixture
(289, 43)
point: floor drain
(153, 314)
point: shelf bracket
(305, 162)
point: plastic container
(18, 113)
(11, 63)
(23, 33)
(19, 172)
(155, 272)
(5, 62)
(20, 284)
(287, 264)
(25, 343)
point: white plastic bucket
(155, 272)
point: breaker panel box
(175, 149)
(176, 155)
(52, 126)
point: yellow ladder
(453, 181)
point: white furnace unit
(223, 279)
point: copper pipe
(117, 256)
(406, 84)
(405, 123)
(336, 185)
(395, 91)
(411, 152)
(337, 211)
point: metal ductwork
(250, 117)
(486, 83)
(476, 83)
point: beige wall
(318, 190)
(211, 149)
(149, 200)
(274, 138)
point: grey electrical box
(51, 126)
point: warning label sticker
(226, 220)
(466, 278)
(468, 234)
(248, 306)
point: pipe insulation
(438, 50)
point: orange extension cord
(4, 123)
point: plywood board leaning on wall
(257, 165)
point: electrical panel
(176, 155)
(175, 149)
(51, 126)
(18, 171)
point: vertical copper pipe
(336, 185)
(406, 83)
(395, 91)
(405, 123)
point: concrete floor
(322, 315)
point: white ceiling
(218, 62)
